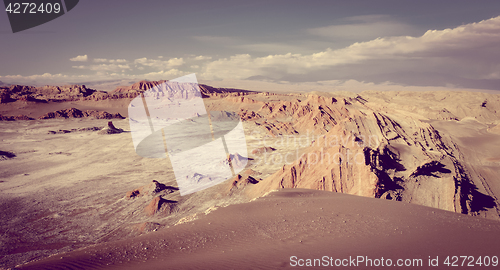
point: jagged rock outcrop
(240, 182)
(372, 153)
(249, 115)
(110, 129)
(315, 114)
(76, 113)
(81, 92)
(152, 189)
(136, 89)
(153, 194)
(209, 91)
(45, 93)
(160, 205)
(4, 155)
(14, 118)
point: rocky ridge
(76, 113)
(65, 93)
(365, 150)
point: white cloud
(45, 78)
(203, 57)
(118, 61)
(58, 79)
(79, 58)
(104, 60)
(160, 64)
(100, 60)
(468, 50)
(105, 67)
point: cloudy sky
(446, 43)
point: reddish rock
(240, 182)
(132, 194)
(158, 204)
(152, 189)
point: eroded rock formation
(76, 113)
(376, 153)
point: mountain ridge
(81, 92)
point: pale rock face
(369, 151)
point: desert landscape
(250, 134)
(393, 174)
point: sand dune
(266, 233)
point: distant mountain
(81, 92)
(45, 93)
(106, 85)
(206, 90)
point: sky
(451, 44)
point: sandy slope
(264, 234)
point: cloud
(468, 51)
(41, 79)
(202, 57)
(118, 61)
(58, 79)
(79, 58)
(104, 60)
(464, 56)
(363, 28)
(105, 67)
(160, 64)
(161, 75)
(100, 60)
